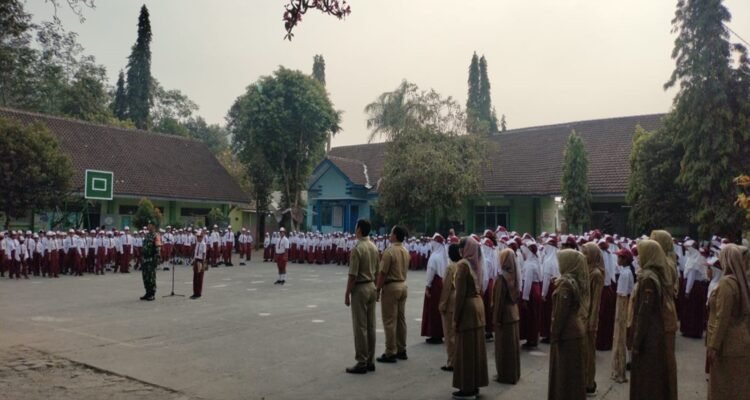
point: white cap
(127, 228)
(71, 231)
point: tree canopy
(139, 83)
(282, 121)
(575, 186)
(480, 115)
(431, 165)
(654, 166)
(146, 213)
(711, 114)
(34, 172)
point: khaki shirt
(364, 261)
(728, 330)
(395, 263)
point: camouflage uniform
(150, 254)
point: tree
(286, 118)
(503, 124)
(485, 109)
(213, 135)
(139, 74)
(146, 213)
(575, 186)
(86, 98)
(319, 69)
(424, 128)
(711, 115)
(34, 172)
(473, 98)
(216, 217)
(656, 200)
(120, 102)
(296, 8)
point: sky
(549, 61)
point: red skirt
(606, 329)
(489, 326)
(531, 315)
(694, 311)
(432, 323)
(547, 311)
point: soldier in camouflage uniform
(150, 254)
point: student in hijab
(728, 337)
(470, 363)
(695, 294)
(596, 284)
(550, 272)
(505, 307)
(567, 332)
(432, 323)
(531, 316)
(652, 375)
(448, 304)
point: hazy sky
(549, 61)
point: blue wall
(331, 189)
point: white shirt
(550, 268)
(282, 245)
(531, 273)
(200, 250)
(625, 282)
(437, 264)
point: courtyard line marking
(217, 286)
(264, 314)
(318, 321)
(252, 289)
(257, 282)
(312, 306)
(102, 338)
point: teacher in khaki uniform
(392, 292)
(361, 296)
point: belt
(362, 282)
(389, 282)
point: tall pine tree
(575, 185)
(319, 69)
(486, 112)
(120, 103)
(472, 102)
(711, 119)
(139, 74)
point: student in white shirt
(199, 265)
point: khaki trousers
(363, 299)
(449, 329)
(392, 307)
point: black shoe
(150, 298)
(447, 368)
(464, 396)
(434, 340)
(282, 282)
(545, 340)
(402, 355)
(278, 282)
(357, 370)
(242, 263)
(144, 297)
(370, 367)
(529, 346)
(627, 367)
(591, 392)
(195, 296)
(385, 358)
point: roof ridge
(95, 124)
(570, 123)
(346, 159)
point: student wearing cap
(199, 266)
(625, 284)
(126, 239)
(266, 248)
(281, 250)
(531, 313)
(432, 324)
(227, 242)
(214, 241)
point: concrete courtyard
(250, 339)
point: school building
(179, 175)
(520, 181)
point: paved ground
(245, 339)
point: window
(128, 210)
(490, 217)
(192, 212)
(338, 216)
(325, 214)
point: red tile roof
(528, 161)
(144, 163)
